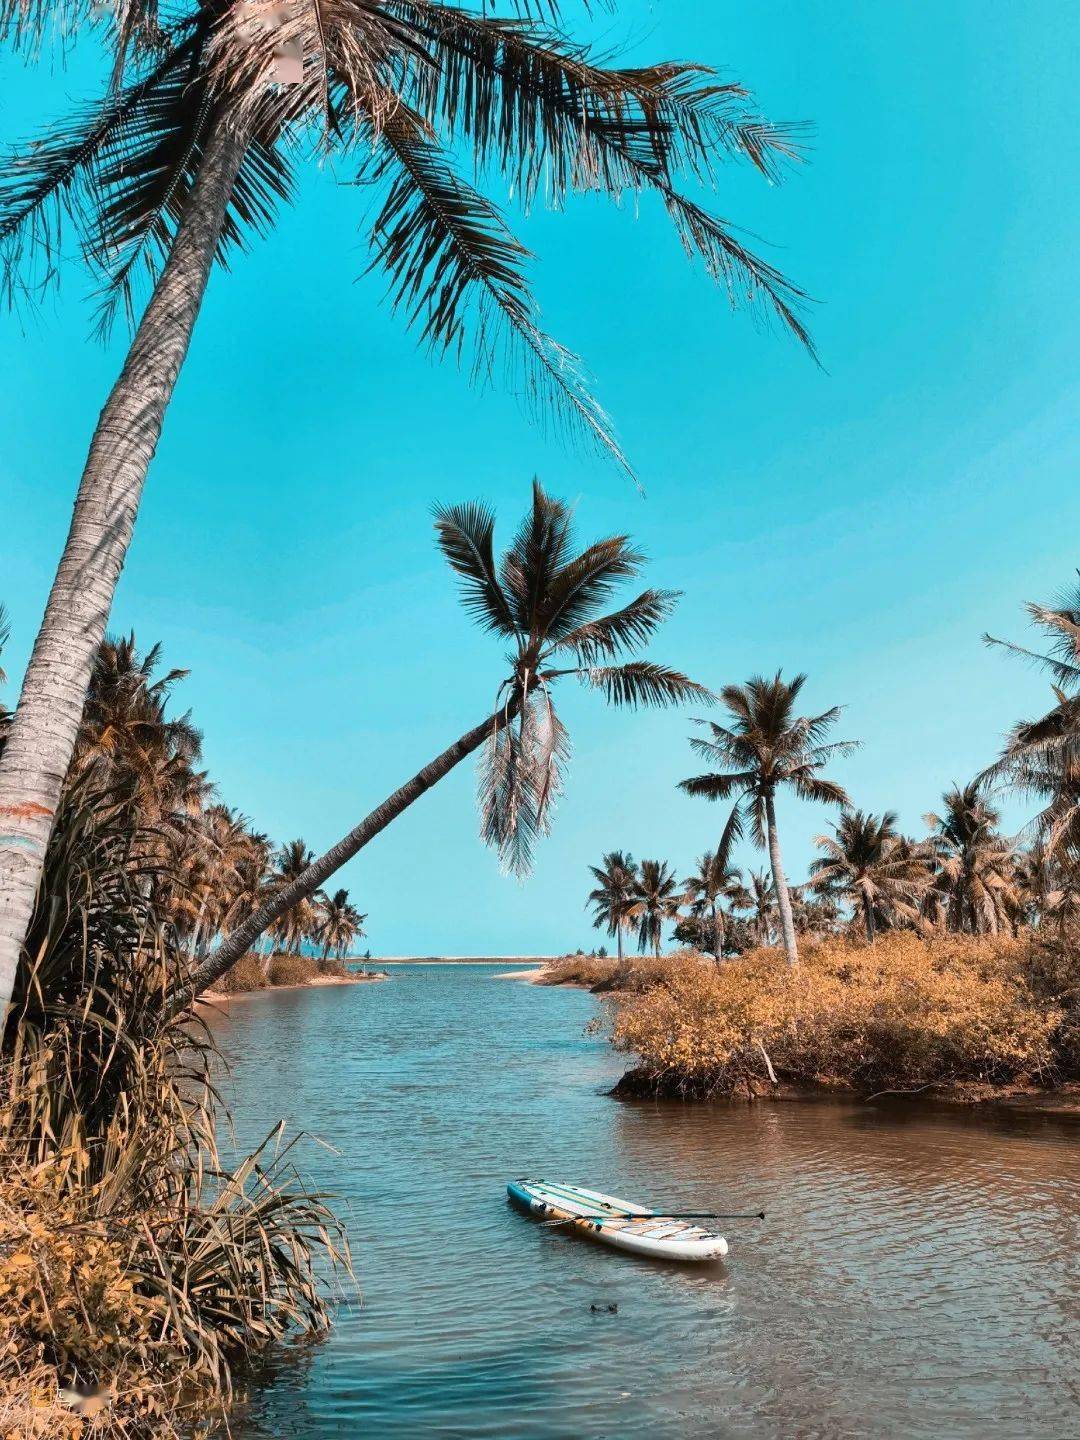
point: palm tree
(866, 863)
(338, 923)
(133, 744)
(547, 603)
(713, 881)
(191, 152)
(760, 901)
(1041, 758)
(765, 745)
(656, 901)
(613, 896)
(290, 928)
(974, 888)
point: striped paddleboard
(616, 1222)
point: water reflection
(916, 1274)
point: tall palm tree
(191, 152)
(338, 923)
(866, 863)
(547, 602)
(656, 901)
(613, 895)
(974, 888)
(764, 746)
(714, 881)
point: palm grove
(962, 875)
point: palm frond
(465, 535)
(544, 110)
(623, 630)
(715, 786)
(535, 556)
(642, 683)
(587, 582)
(455, 268)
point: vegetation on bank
(139, 1275)
(905, 1012)
(259, 972)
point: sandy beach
(217, 997)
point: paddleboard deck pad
(617, 1222)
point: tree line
(963, 875)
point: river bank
(953, 1020)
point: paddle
(657, 1215)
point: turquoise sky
(864, 523)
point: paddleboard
(616, 1222)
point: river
(916, 1274)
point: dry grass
(134, 1269)
(902, 1013)
(258, 972)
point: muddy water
(917, 1274)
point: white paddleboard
(618, 1223)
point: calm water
(915, 1277)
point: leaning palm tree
(975, 887)
(338, 924)
(613, 896)
(866, 863)
(547, 602)
(192, 151)
(656, 901)
(765, 746)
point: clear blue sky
(864, 524)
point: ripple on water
(916, 1275)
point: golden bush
(904, 1011)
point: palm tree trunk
(320, 870)
(717, 935)
(868, 917)
(43, 731)
(783, 898)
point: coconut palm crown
(396, 92)
(613, 894)
(866, 862)
(764, 747)
(548, 601)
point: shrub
(904, 1012)
(638, 972)
(249, 973)
(131, 1262)
(293, 970)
